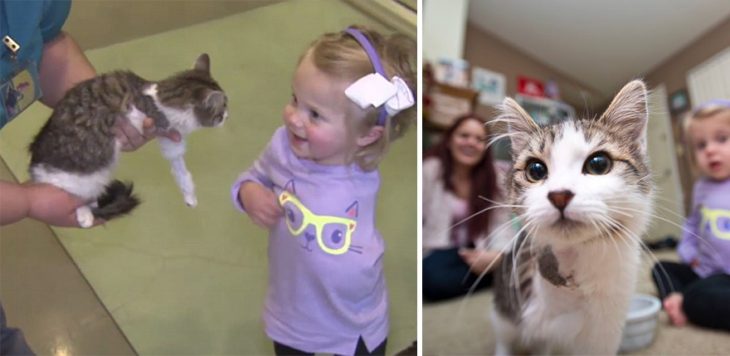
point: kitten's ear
(202, 63)
(628, 113)
(520, 126)
(215, 99)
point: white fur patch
(84, 216)
(86, 186)
(136, 118)
(183, 121)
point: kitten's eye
(598, 163)
(294, 99)
(536, 170)
(313, 114)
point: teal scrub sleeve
(55, 13)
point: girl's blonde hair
(710, 109)
(342, 57)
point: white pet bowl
(641, 323)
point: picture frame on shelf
(446, 103)
(490, 85)
(679, 102)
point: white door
(711, 79)
(668, 204)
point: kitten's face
(580, 180)
(196, 87)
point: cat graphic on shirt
(330, 234)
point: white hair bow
(373, 89)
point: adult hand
(480, 261)
(132, 139)
(260, 204)
(53, 205)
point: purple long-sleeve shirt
(706, 236)
(323, 295)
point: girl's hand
(53, 205)
(132, 139)
(480, 261)
(260, 204)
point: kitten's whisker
(469, 218)
(618, 209)
(473, 287)
(681, 217)
(622, 233)
(507, 224)
(650, 254)
(500, 204)
(599, 224)
(496, 138)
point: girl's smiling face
(316, 116)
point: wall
(443, 36)
(483, 49)
(395, 15)
(118, 21)
(673, 73)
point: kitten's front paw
(191, 200)
(84, 216)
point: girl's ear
(372, 135)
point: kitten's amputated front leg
(175, 153)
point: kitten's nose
(560, 198)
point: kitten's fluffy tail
(116, 201)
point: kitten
(583, 193)
(77, 150)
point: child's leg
(706, 302)
(671, 277)
(363, 350)
(283, 350)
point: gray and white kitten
(583, 193)
(77, 150)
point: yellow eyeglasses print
(712, 217)
(338, 226)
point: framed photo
(490, 85)
(447, 103)
(679, 101)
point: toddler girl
(315, 188)
(698, 289)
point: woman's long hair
(483, 178)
